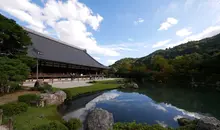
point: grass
(13, 97)
(39, 116)
(98, 86)
(35, 117)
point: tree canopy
(14, 62)
(13, 39)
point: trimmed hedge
(28, 98)
(11, 109)
(45, 88)
(73, 124)
(54, 125)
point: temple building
(57, 59)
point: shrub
(14, 86)
(28, 98)
(54, 125)
(14, 108)
(45, 88)
(137, 126)
(68, 94)
(73, 124)
(92, 82)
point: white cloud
(162, 123)
(161, 43)
(177, 117)
(124, 46)
(188, 4)
(130, 39)
(97, 58)
(159, 107)
(81, 113)
(139, 20)
(110, 62)
(184, 112)
(183, 32)
(168, 23)
(208, 32)
(68, 19)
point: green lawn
(35, 117)
(38, 116)
(99, 86)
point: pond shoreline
(160, 106)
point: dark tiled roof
(56, 50)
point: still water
(151, 105)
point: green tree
(161, 64)
(187, 64)
(12, 71)
(13, 39)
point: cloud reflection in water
(82, 112)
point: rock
(134, 85)
(129, 85)
(184, 121)
(208, 123)
(61, 95)
(100, 119)
(51, 99)
(38, 84)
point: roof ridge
(53, 39)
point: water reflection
(81, 113)
(128, 107)
(152, 106)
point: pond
(152, 104)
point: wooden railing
(60, 75)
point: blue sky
(114, 29)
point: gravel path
(69, 84)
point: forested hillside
(197, 61)
(123, 62)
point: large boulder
(130, 85)
(99, 119)
(208, 123)
(134, 85)
(61, 95)
(184, 121)
(55, 98)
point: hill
(209, 46)
(123, 62)
(194, 60)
